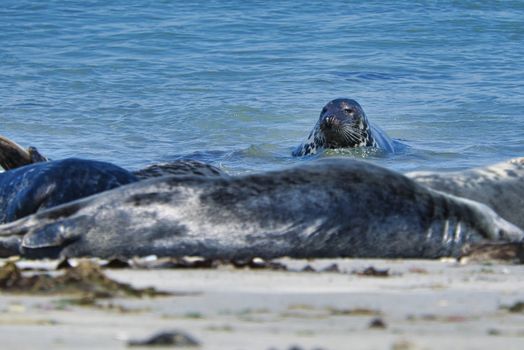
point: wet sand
(404, 304)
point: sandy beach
(333, 304)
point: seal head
(343, 124)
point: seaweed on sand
(85, 278)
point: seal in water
(343, 124)
(500, 186)
(28, 189)
(327, 208)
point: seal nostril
(328, 123)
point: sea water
(241, 83)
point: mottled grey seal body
(343, 124)
(500, 186)
(330, 208)
(28, 189)
(181, 167)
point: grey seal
(327, 208)
(500, 186)
(343, 124)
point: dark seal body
(343, 124)
(28, 189)
(328, 208)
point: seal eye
(349, 110)
(324, 110)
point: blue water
(241, 83)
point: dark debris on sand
(512, 252)
(167, 338)
(202, 263)
(373, 272)
(296, 347)
(377, 323)
(517, 307)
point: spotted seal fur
(343, 124)
(500, 186)
(327, 208)
(181, 167)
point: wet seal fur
(28, 189)
(343, 124)
(31, 188)
(500, 186)
(32, 182)
(328, 208)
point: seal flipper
(12, 155)
(37, 236)
(10, 246)
(51, 235)
(47, 242)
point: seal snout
(330, 122)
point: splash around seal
(343, 124)
(328, 208)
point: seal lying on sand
(500, 186)
(327, 208)
(343, 124)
